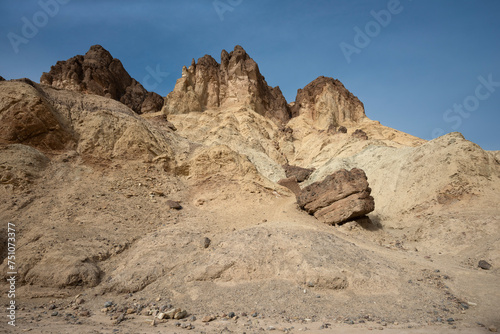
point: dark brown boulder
(99, 73)
(1, 78)
(298, 172)
(360, 134)
(342, 196)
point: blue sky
(426, 67)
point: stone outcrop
(1, 78)
(360, 134)
(236, 80)
(26, 117)
(291, 183)
(99, 73)
(341, 196)
(301, 174)
(328, 104)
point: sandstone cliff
(235, 81)
(99, 73)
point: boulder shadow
(370, 223)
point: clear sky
(425, 67)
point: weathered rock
(298, 172)
(99, 73)
(291, 183)
(328, 103)
(206, 242)
(360, 134)
(1, 78)
(484, 265)
(342, 196)
(235, 81)
(208, 318)
(174, 205)
(27, 117)
(180, 315)
(170, 314)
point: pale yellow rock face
(236, 81)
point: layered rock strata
(341, 196)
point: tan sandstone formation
(235, 81)
(328, 104)
(99, 73)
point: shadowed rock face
(301, 174)
(328, 103)
(99, 73)
(342, 196)
(236, 80)
(1, 78)
(26, 117)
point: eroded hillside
(90, 185)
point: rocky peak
(99, 73)
(328, 103)
(235, 81)
(1, 78)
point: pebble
(208, 318)
(231, 315)
(52, 307)
(79, 301)
(206, 242)
(108, 304)
(492, 329)
(84, 314)
(120, 318)
(174, 205)
(55, 314)
(180, 315)
(484, 265)
(171, 313)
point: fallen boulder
(340, 197)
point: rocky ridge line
(99, 73)
(236, 80)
